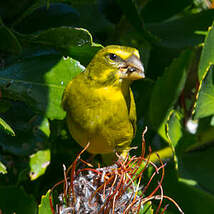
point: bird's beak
(132, 69)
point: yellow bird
(99, 102)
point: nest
(115, 189)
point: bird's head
(115, 63)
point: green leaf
(182, 190)
(45, 127)
(72, 37)
(39, 81)
(174, 128)
(3, 169)
(171, 129)
(212, 121)
(132, 15)
(75, 42)
(205, 102)
(31, 131)
(15, 200)
(182, 32)
(57, 14)
(198, 166)
(39, 163)
(147, 208)
(153, 7)
(167, 89)
(6, 127)
(204, 133)
(44, 207)
(11, 44)
(207, 55)
(186, 142)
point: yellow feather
(99, 102)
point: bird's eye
(112, 56)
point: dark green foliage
(44, 44)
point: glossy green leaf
(45, 127)
(39, 81)
(163, 128)
(182, 32)
(174, 128)
(39, 163)
(3, 169)
(168, 88)
(44, 207)
(74, 15)
(75, 42)
(15, 200)
(6, 127)
(171, 129)
(205, 102)
(72, 37)
(207, 55)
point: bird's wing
(132, 112)
(65, 96)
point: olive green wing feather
(132, 112)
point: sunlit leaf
(205, 102)
(6, 127)
(39, 163)
(171, 129)
(174, 128)
(147, 209)
(44, 207)
(75, 42)
(207, 55)
(3, 169)
(39, 81)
